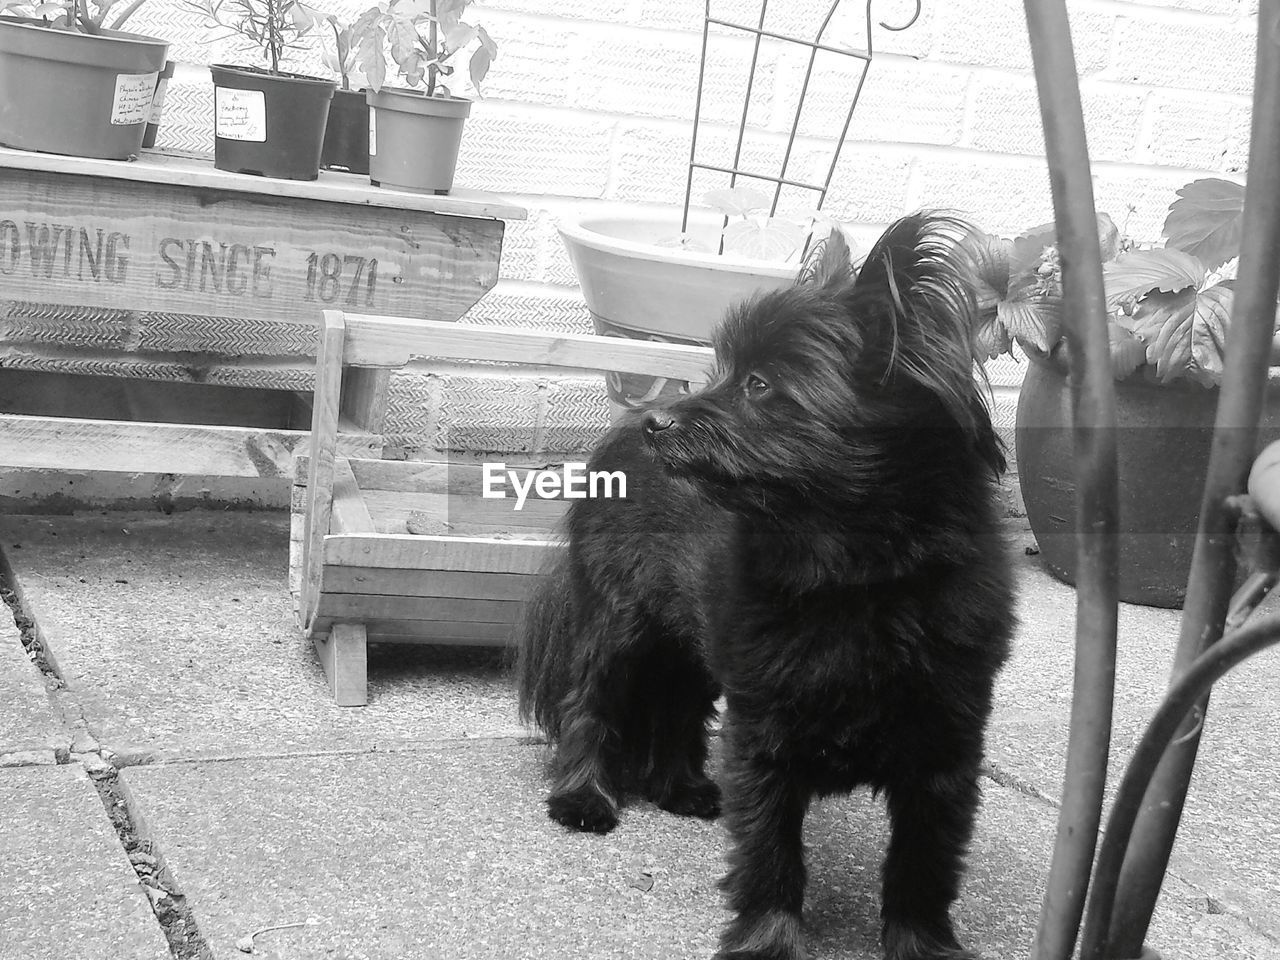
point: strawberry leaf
(768, 239)
(736, 201)
(1206, 220)
(1139, 272)
(1184, 331)
(1032, 318)
(1128, 353)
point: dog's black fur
(814, 534)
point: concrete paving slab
(69, 891)
(29, 732)
(177, 635)
(1229, 843)
(448, 854)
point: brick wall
(590, 107)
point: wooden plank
(388, 341)
(460, 516)
(155, 167)
(365, 606)
(344, 654)
(409, 552)
(364, 397)
(429, 583)
(324, 435)
(225, 261)
(434, 631)
(349, 513)
(67, 443)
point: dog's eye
(756, 386)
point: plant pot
(72, 93)
(636, 288)
(269, 125)
(414, 139)
(157, 106)
(346, 138)
(1165, 433)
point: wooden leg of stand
(344, 656)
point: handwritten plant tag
(132, 101)
(157, 102)
(373, 132)
(240, 114)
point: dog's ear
(829, 261)
(914, 299)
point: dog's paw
(902, 942)
(584, 810)
(700, 798)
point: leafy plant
(271, 26)
(76, 15)
(1170, 305)
(342, 59)
(752, 233)
(395, 27)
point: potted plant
(156, 113)
(1170, 316)
(414, 135)
(267, 122)
(71, 84)
(643, 277)
(346, 136)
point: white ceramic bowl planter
(635, 287)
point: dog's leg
(764, 811)
(677, 695)
(586, 793)
(932, 820)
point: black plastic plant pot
(269, 125)
(346, 138)
(157, 107)
(414, 139)
(76, 94)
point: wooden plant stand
(160, 316)
(359, 574)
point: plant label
(240, 114)
(373, 132)
(157, 102)
(132, 101)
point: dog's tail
(544, 649)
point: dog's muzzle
(655, 421)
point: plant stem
(435, 53)
(342, 57)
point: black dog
(814, 534)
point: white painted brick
(1149, 192)
(1236, 157)
(521, 250)
(1005, 117)
(1000, 195)
(532, 57)
(916, 41)
(1208, 57)
(556, 266)
(187, 121)
(1229, 8)
(608, 11)
(869, 185)
(641, 73)
(509, 150)
(576, 415)
(1190, 129)
(790, 18)
(902, 101)
(558, 312)
(994, 34)
(488, 413)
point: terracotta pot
(636, 288)
(1165, 432)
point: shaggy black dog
(815, 535)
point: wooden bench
(360, 573)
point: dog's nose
(655, 421)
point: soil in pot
(414, 139)
(269, 125)
(72, 93)
(346, 137)
(1165, 433)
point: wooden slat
(65, 443)
(349, 514)
(364, 397)
(324, 435)
(409, 552)
(429, 583)
(391, 341)
(187, 171)
(465, 516)
(364, 607)
(343, 653)
(432, 631)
